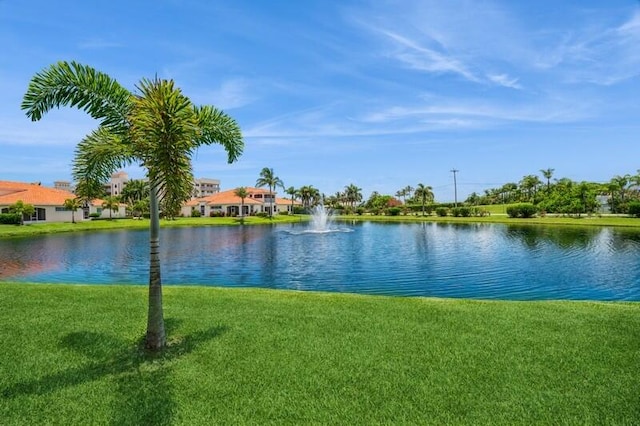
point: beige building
(203, 187)
(116, 184)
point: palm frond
(100, 154)
(219, 128)
(75, 85)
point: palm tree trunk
(156, 338)
(271, 198)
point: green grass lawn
(617, 221)
(241, 356)
(92, 225)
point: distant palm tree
(135, 190)
(408, 192)
(242, 193)
(424, 193)
(72, 204)
(548, 174)
(352, 195)
(309, 196)
(268, 178)
(293, 193)
(158, 128)
(111, 203)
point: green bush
(283, 213)
(9, 219)
(479, 212)
(442, 211)
(394, 211)
(522, 210)
(461, 211)
(195, 213)
(94, 215)
(262, 214)
(360, 211)
(634, 208)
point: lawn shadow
(144, 394)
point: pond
(482, 261)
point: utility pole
(455, 187)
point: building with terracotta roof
(48, 202)
(226, 203)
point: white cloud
(504, 80)
(427, 59)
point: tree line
(565, 196)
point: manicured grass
(617, 221)
(242, 356)
(50, 228)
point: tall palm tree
(268, 178)
(424, 193)
(352, 195)
(242, 193)
(408, 192)
(548, 174)
(293, 193)
(158, 128)
(72, 204)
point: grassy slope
(70, 356)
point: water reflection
(426, 259)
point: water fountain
(321, 223)
(321, 219)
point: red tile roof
(11, 192)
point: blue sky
(382, 94)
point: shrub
(283, 213)
(442, 211)
(479, 212)
(360, 211)
(461, 211)
(195, 213)
(262, 214)
(9, 219)
(394, 211)
(94, 215)
(634, 208)
(522, 210)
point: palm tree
(293, 193)
(309, 195)
(242, 193)
(111, 203)
(425, 193)
(158, 128)
(23, 209)
(548, 174)
(268, 178)
(134, 190)
(352, 195)
(72, 204)
(408, 191)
